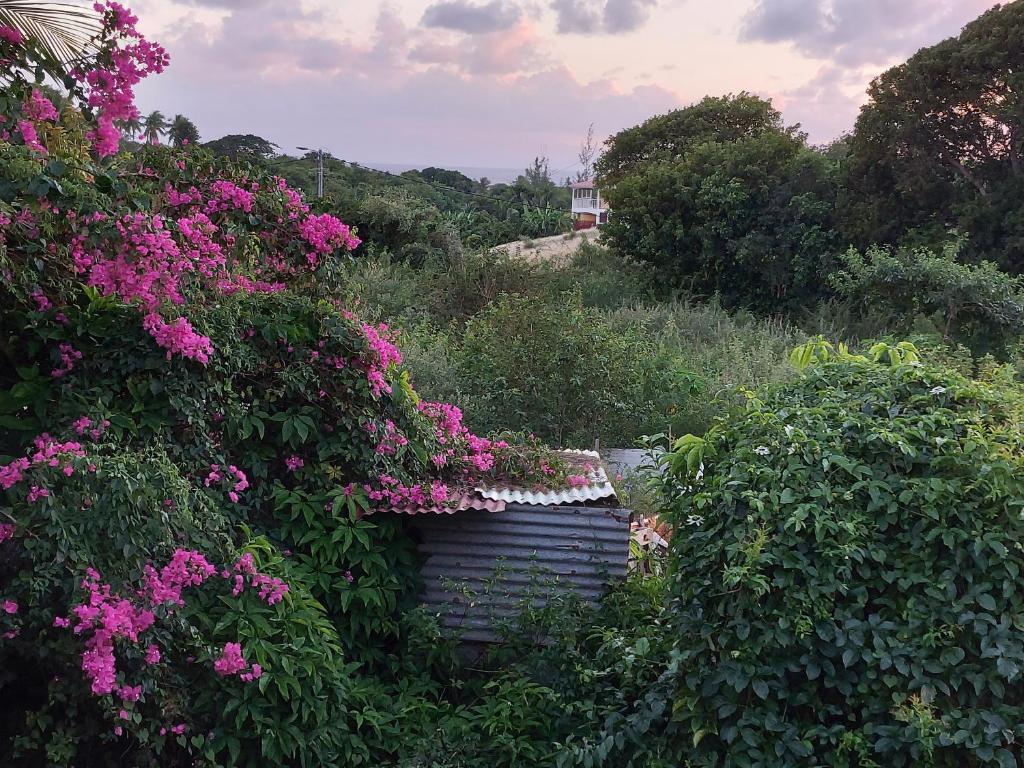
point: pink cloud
(399, 94)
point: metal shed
(507, 546)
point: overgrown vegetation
(217, 393)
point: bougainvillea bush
(847, 570)
(193, 436)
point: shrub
(972, 304)
(846, 558)
(194, 431)
(560, 370)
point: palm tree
(63, 31)
(154, 125)
(131, 128)
(183, 131)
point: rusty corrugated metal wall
(536, 550)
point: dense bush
(195, 429)
(584, 379)
(746, 216)
(975, 305)
(847, 556)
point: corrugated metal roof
(495, 498)
(467, 501)
(586, 463)
(480, 568)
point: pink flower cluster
(231, 662)
(107, 617)
(42, 302)
(30, 136)
(178, 337)
(398, 495)
(326, 233)
(382, 353)
(186, 568)
(241, 482)
(11, 35)
(110, 89)
(270, 588)
(95, 430)
(227, 196)
(37, 107)
(294, 463)
(391, 440)
(48, 452)
(6, 532)
(447, 419)
(68, 356)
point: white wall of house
(588, 201)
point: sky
(492, 83)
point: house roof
(588, 184)
(495, 498)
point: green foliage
(939, 145)
(408, 227)
(975, 305)
(668, 138)
(845, 558)
(182, 131)
(749, 219)
(239, 146)
(583, 381)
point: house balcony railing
(587, 205)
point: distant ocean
(495, 175)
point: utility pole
(319, 169)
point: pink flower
(129, 693)
(68, 356)
(152, 654)
(60, 622)
(10, 606)
(178, 337)
(37, 107)
(11, 35)
(231, 660)
(326, 233)
(30, 137)
(294, 463)
(42, 302)
(35, 493)
(6, 529)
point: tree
(668, 137)
(587, 156)
(154, 125)
(132, 127)
(62, 32)
(236, 145)
(940, 144)
(974, 304)
(183, 131)
(748, 215)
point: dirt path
(556, 249)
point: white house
(589, 209)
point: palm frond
(64, 31)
